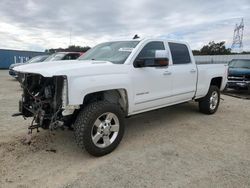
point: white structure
(201, 59)
(237, 45)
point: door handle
(193, 71)
(166, 73)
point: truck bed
(209, 70)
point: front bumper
(238, 81)
(238, 84)
(12, 73)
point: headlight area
(67, 109)
(44, 99)
(65, 93)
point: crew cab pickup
(112, 81)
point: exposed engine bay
(42, 99)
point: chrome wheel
(214, 100)
(105, 130)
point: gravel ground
(171, 147)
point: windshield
(115, 52)
(240, 64)
(55, 57)
(37, 59)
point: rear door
(184, 72)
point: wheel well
(216, 82)
(116, 96)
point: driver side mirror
(161, 59)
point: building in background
(8, 57)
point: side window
(71, 56)
(78, 55)
(180, 53)
(148, 51)
(75, 56)
(67, 57)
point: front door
(152, 86)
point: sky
(42, 24)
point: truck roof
(151, 39)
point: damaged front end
(44, 99)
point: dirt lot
(171, 147)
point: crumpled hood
(70, 68)
(239, 71)
(16, 65)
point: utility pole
(237, 45)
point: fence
(201, 59)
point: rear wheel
(99, 127)
(209, 104)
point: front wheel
(209, 104)
(99, 127)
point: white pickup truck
(112, 81)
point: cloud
(37, 25)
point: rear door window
(180, 53)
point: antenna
(136, 36)
(70, 36)
(237, 45)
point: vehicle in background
(239, 74)
(64, 56)
(45, 58)
(112, 81)
(35, 59)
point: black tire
(205, 104)
(85, 122)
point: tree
(196, 52)
(71, 48)
(215, 49)
(244, 52)
(74, 48)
